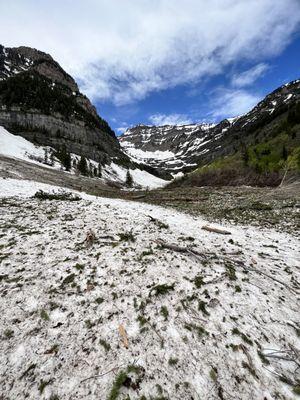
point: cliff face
(40, 101)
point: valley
(162, 264)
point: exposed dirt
(265, 207)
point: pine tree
(82, 166)
(129, 179)
(99, 170)
(46, 155)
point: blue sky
(207, 100)
(164, 61)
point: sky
(160, 62)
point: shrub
(63, 196)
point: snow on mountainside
(17, 147)
(128, 312)
(171, 147)
(182, 148)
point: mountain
(184, 148)
(41, 102)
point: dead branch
(215, 230)
(181, 249)
(157, 333)
(270, 277)
(99, 376)
(140, 196)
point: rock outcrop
(41, 102)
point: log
(180, 249)
(215, 230)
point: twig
(158, 334)
(270, 277)
(99, 376)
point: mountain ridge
(194, 146)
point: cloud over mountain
(124, 50)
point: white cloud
(124, 50)
(248, 77)
(121, 129)
(171, 119)
(228, 103)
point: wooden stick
(180, 249)
(215, 230)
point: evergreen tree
(129, 179)
(82, 166)
(65, 157)
(284, 153)
(99, 170)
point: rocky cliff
(41, 102)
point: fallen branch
(141, 196)
(158, 334)
(215, 230)
(99, 376)
(180, 249)
(270, 277)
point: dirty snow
(219, 331)
(18, 147)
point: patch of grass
(8, 333)
(296, 389)
(230, 271)
(43, 385)
(258, 206)
(53, 349)
(198, 281)
(146, 253)
(164, 312)
(44, 315)
(89, 324)
(202, 307)
(68, 279)
(122, 379)
(213, 374)
(236, 331)
(198, 329)
(79, 267)
(104, 344)
(162, 289)
(173, 361)
(126, 237)
(263, 358)
(142, 320)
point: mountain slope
(186, 147)
(41, 102)
(22, 152)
